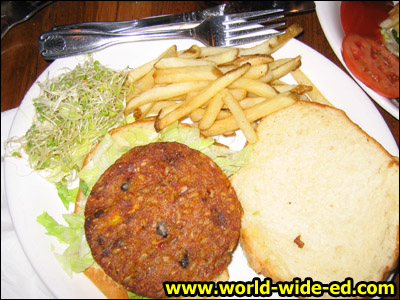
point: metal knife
(288, 7)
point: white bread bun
(320, 199)
(95, 273)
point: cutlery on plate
(16, 12)
(288, 7)
(228, 30)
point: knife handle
(53, 45)
(127, 26)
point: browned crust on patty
(162, 212)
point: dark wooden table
(21, 62)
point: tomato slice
(373, 64)
(364, 17)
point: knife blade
(288, 7)
(162, 20)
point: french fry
(239, 117)
(283, 88)
(178, 62)
(261, 48)
(209, 51)
(139, 72)
(226, 68)
(141, 112)
(164, 92)
(299, 89)
(198, 73)
(256, 71)
(252, 114)
(274, 43)
(277, 42)
(143, 84)
(314, 94)
(206, 94)
(151, 109)
(211, 112)
(281, 70)
(146, 82)
(166, 110)
(224, 57)
(229, 133)
(254, 60)
(191, 94)
(278, 62)
(198, 114)
(142, 70)
(193, 52)
(256, 87)
(278, 82)
(238, 94)
(160, 105)
(177, 98)
(249, 102)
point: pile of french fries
(220, 89)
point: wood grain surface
(21, 62)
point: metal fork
(228, 30)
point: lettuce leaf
(110, 150)
(134, 296)
(77, 257)
(228, 160)
(66, 195)
(185, 135)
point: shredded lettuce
(185, 135)
(109, 150)
(77, 257)
(134, 296)
(228, 160)
(390, 30)
(66, 195)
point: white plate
(29, 194)
(328, 13)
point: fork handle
(53, 45)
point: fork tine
(250, 39)
(243, 23)
(237, 33)
(252, 14)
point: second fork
(226, 30)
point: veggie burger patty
(162, 212)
